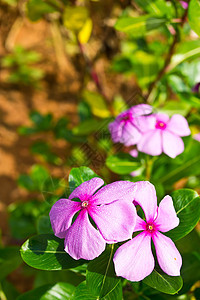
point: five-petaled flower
(113, 215)
(134, 259)
(163, 134)
(126, 128)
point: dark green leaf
(79, 175)
(194, 15)
(187, 206)
(122, 163)
(100, 276)
(82, 293)
(44, 225)
(190, 271)
(8, 290)
(9, 260)
(59, 291)
(36, 9)
(163, 282)
(46, 252)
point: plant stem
(149, 166)
(168, 58)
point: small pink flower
(162, 134)
(126, 128)
(113, 215)
(134, 260)
(184, 4)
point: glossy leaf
(59, 291)
(163, 282)
(46, 252)
(100, 276)
(187, 206)
(9, 260)
(79, 175)
(82, 293)
(194, 15)
(157, 7)
(122, 163)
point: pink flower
(162, 134)
(184, 4)
(125, 129)
(134, 260)
(114, 217)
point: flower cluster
(95, 215)
(153, 133)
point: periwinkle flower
(134, 259)
(163, 134)
(113, 215)
(126, 127)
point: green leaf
(46, 252)
(187, 206)
(156, 7)
(97, 104)
(82, 293)
(36, 9)
(9, 260)
(194, 15)
(100, 276)
(80, 175)
(8, 291)
(163, 282)
(59, 291)
(185, 51)
(139, 26)
(190, 271)
(122, 163)
(75, 17)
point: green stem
(110, 258)
(149, 166)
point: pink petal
(140, 224)
(172, 144)
(114, 191)
(141, 109)
(162, 117)
(168, 256)
(115, 221)
(130, 135)
(145, 123)
(134, 260)
(115, 129)
(134, 153)
(86, 189)
(61, 215)
(166, 218)
(83, 240)
(197, 137)
(145, 196)
(151, 143)
(178, 125)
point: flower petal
(130, 135)
(134, 260)
(141, 109)
(86, 189)
(162, 117)
(145, 196)
(178, 125)
(168, 256)
(61, 215)
(115, 221)
(140, 224)
(115, 129)
(151, 143)
(83, 240)
(172, 144)
(114, 191)
(166, 218)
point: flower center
(84, 204)
(150, 227)
(160, 125)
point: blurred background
(67, 68)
